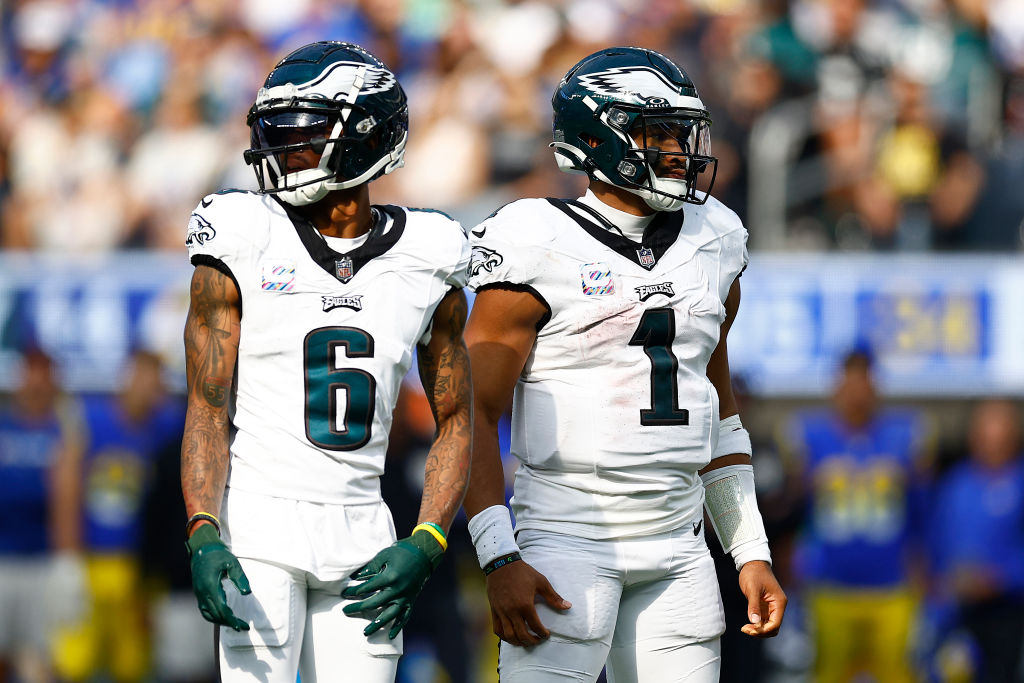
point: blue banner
(940, 326)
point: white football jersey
(326, 338)
(613, 414)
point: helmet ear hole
(591, 141)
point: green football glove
(396, 575)
(211, 561)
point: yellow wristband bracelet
(201, 517)
(434, 530)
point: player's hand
(766, 603)
(395, 577)
(211, 561)
(512, 592)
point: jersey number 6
(324, 379)
(656, 332)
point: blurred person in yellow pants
(864, 470)
(123, 433)
(112, 637)
(862, 629)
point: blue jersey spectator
(123, 439)
(123, 435)
(978, 540)
(29, 444)
(865, 497)
(37, 517)
(864, 470)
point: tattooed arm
(396, 575)
(211, 347)
(444, 371)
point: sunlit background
(873, 148)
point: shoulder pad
(227, 222)
(424, 210)
(721, 218)
(524, 221)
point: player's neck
(342, 213)
(620, 199)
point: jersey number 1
(324, 379)
(656, 332)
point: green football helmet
(331, 104)
(630, 117)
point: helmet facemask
(301, 151)
(667, 152)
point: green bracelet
(501, 562)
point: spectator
(864, 468)
(978, 540)
(172, 162)
(38, 515)
(123, 435)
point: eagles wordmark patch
(645, 292)
(354, 302)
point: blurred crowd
(849, 124)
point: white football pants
(297, 624)
(649, 607)
(298, 556)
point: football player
(605, 320)
(307, 305)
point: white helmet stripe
(329, 147)
(687, 102)
(357, 84)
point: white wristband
(732, 438)
(491, 531)
(732, 506)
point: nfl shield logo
(646, 257)
(343, 269)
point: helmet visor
(289, 128)
(672, 135)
